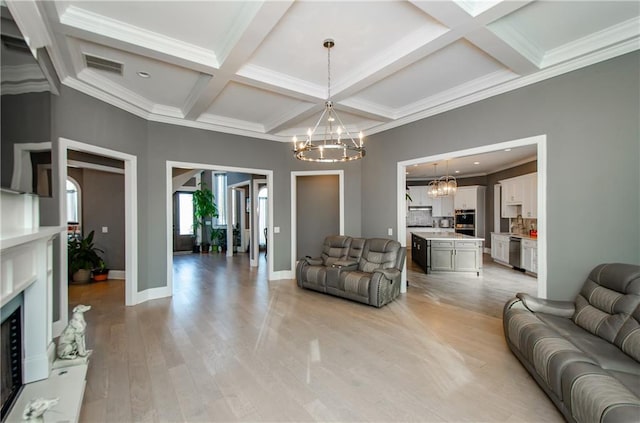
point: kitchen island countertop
(445, 236)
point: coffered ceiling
(260, 69)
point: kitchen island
(446, 252)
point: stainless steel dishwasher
(514, 252)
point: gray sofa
(363, 270)
(584, 354)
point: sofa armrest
(346, 264)
(313, 261)
(390, 274)
(539, 305)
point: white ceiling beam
(237, 52)
(503, 52)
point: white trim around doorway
(132, 296)
(271, 275)
(294, 212)
(541, 142)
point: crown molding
(20, 73)
(84, 20)
(460, 91)
(108, 86)
(560, 69)
(25, 87)
(92, 91)
(615, 34)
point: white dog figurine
(36, 408)
(71, 343)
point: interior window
(220, 188)
(185, 204)
(73, 202)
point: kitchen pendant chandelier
(336, 143)
(441, 187)
(447, 185)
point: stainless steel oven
(465, 221)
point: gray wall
(102, 199)
(103, 205)
(590, 117)
(317, 212)
(25, 118)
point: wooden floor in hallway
(232, 346)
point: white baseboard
(152, 294)
(282, 274)
(487, 250)
(117, 274)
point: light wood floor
(231, 346)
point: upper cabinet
(467, 197)
(443, 206)
(419, 197)
(520, 196)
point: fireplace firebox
(11, 360)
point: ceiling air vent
(103, 64)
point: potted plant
(101, 273)
(82, 257)
(204, 207)
(218, 238)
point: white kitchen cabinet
(443, 206)
(500, 248)
(520, 196)
(529, 255)
(442, 256)
(466, 198)
(419, 197)
(467, 256)
(530, 197)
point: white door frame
(170, 164)
(541, 142)
(130, 222)
(254, 224)
(242, 222)
(294, 211)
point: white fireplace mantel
(26, 267)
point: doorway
(318, 197)
(540, 143)
(130, 223)
(228, 205)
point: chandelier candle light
(337, 144)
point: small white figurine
(36, 408)
(71, 343)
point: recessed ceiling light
(507, 149)
(143, 74)
(457, 171)
(476, 163)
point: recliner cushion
(628, 338)
(378, 253)
(334, 248)
(607, 299)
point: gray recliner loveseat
(363, 270)
(584, 354)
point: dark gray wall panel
(103, 205)
(590, 117)
(317, 212)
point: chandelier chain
(329, 73)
